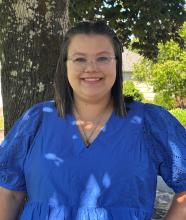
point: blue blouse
(115, 179)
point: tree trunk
(31, 33)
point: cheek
(112, 76)
(70, 75)
(113, 79)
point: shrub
(164, 100)
(129, 89)
(148, 101)
(180, 114)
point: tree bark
(31, 34)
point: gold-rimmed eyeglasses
(83, 62)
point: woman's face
(91, 66)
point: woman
(91, 155)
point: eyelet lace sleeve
(14, 148)
(167, 141)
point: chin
(96, 96)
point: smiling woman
(91, 154)
(84, 48)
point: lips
(91, 79)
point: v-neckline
(78, 139)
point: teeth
(92, 79)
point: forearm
(177, 209)
(8, 209)
(10, 204)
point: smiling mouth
(92, 79)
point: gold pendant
(87, 143)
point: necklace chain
(85, 137)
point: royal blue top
(45, 156)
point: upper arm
(13, 195)
(14, 149)
(167, 140)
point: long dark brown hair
(63, 90)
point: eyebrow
(84, 54)
(102, 52)
(79, 53)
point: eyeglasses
(100, 62)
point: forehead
(90, 43)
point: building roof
(129, 59)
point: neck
(90, 110)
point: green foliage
(148, 101)
(149, 21)
(183, 31)
(130, 90)
(164, 100)
(142, 70)
(180, 114)
(167, 75)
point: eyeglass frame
(88, 61)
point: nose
(90, 66)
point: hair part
(63, 91)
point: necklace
(86, 137)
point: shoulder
(147, 109)
(152, 115)
(31, 119)
(39, 109)
(140, 106)
(155, 114)
(134, 107)
(162, 125)
(46, 106)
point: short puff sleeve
(167, 141)
(15, 146)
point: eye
(80, 60)
(103, 59)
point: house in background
(129, 59)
